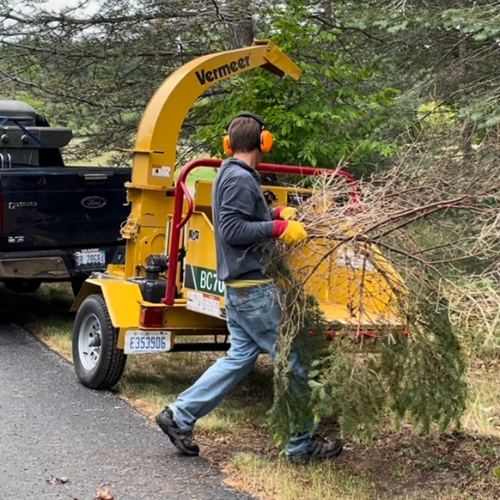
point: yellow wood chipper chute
(164, 288)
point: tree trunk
(467, 125)
(239, 19)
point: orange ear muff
(266, 138)
(227, 145)
(266, 141)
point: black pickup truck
(57, 223)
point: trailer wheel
(99, 364)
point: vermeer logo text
(222, 71)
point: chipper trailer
(164, 290)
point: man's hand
(284, 213)
(289, 231)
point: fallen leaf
(103, 495)
(58, 480)
(496, 472)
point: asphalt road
(52, 427)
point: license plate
(143, 342)
(90, 258)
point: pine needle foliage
(419, 377)
(364, 382)
(301, 317)
(411, 231)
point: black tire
(102, 367)
(15, 286)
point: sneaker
(182, 440)
(321, 449)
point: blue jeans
(254, 316)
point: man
(242, 220)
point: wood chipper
(163, 291)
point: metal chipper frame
(165, 289)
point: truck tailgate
(67, 207)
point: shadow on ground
(50, 302)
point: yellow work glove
(286, 213)
(291, 232)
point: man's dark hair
(244, 134)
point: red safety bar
(181, 191)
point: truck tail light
(152, 317)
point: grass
(280, 480)
(150, 382)
(200, 174)
(483, 410)
(434, 463)
(400, 465)
(56, 335)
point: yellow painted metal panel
(203, 195)
(87, 289)
(354, 284)
(122, 298)
(156, 143)
(201, 288)
(179, 318)
(200, 245)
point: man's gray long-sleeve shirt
(241, 219)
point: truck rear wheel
(98, 362)
(16, 286)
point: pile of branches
(429, 230)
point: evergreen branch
(97, 19)
(331, 25)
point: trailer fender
(122, 298)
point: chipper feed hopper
(164, 289)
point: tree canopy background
(377, 74)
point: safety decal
(205, 303)
(161, 171)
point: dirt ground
(398, 465)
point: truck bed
(59, 222)
(62, 207)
